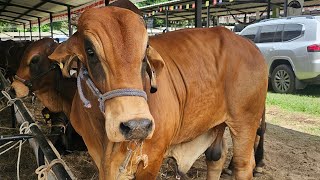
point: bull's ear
(67, 52)
(155, 59)
(155, 65)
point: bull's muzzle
(128, 118)
(136, 129)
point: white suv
(291, 47)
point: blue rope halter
(83, 75)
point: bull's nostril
(136, 128)
(124, 128)
(149, 126)
(146, 124)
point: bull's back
(202, 63)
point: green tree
(59, 26)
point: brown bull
(38, 74)
(205, 77)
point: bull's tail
(259, 146)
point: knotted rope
(10, 100)
(43, 170)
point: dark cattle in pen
(38, 74)
(11, 53)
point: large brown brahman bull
(38, 74)
(206, 78)
(55, 92)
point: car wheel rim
(282, 80)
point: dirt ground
(289, 153)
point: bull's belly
(193, 127)
(187, 153)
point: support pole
(24, 32)
(167, 20)
(285, 8)
(51, 25)
(13, 116)
(30, 31)
(208, 16)
(69, 21)
(213, 21)
(198, 13)
(39, 24)
(245, 18)
(268, 9)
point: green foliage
(5, 27)
(60, 26)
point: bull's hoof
(258, 170)
(227, 171)
(256, 174)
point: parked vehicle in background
(60, 38)
(291, 47)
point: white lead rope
(42, 171)
(10, 100)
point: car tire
(283, 79)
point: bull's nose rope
(124, 173)
(83, 74)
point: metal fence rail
(41, 141)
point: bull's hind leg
(259, 147)
(216, 155)
(243, 133)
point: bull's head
(111, 43)
(33, 66)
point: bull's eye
(35, 60)
(90, 52)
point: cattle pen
(43, 149)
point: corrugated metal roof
(24, 11)
(18, 11)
